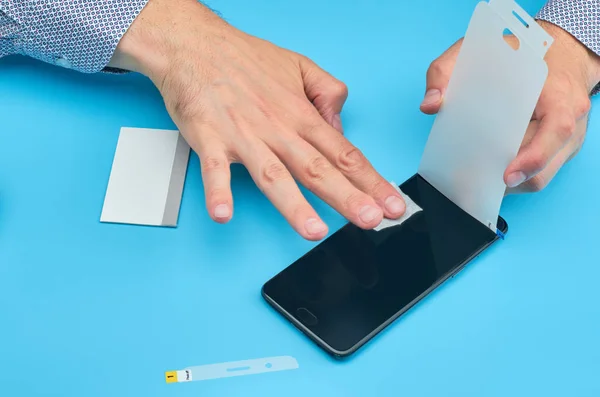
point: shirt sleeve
(581, 18)
(7, 31)
(77, 34)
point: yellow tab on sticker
(171, 376)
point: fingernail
(515, 179)
(222, 211)
(337, 123)
(432, 97)
(314, 226)
(394, 204)
(368, 214)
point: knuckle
(436, 68)
(272, 171)
(303, 58)
(352, 201)
(316, 169)
(566, 128)
(339, 88)
(310, 130)
(350, 160)
(379, 187)
(211, 163)
(217, 196)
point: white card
(147, 178)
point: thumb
(438, 76)
(326, 93)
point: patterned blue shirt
(77, 34)
(83, 34)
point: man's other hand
(559, 123)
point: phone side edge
(504, 230)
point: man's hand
(237, 98)
(559, 123)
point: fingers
(355, 168)
(216, 176)
(555, 131)
(541, 179)
(438, 76)
(315, 172)
(326, 93)
(275, 181)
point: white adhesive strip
(411, 209)
(233, 368)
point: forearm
(162, 34)
(8, 31)
(77, 34)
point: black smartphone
(357, 282)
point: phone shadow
(380, 343)
(2, 206)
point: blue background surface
(91, 309)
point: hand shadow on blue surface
(244, 186)
(130, 87)
(384, 337)
(256, 221)
(137, 91)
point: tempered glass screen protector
(487, 107)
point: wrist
(586, 64)
(156, 38)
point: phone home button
(306, 317)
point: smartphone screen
(356, 282)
